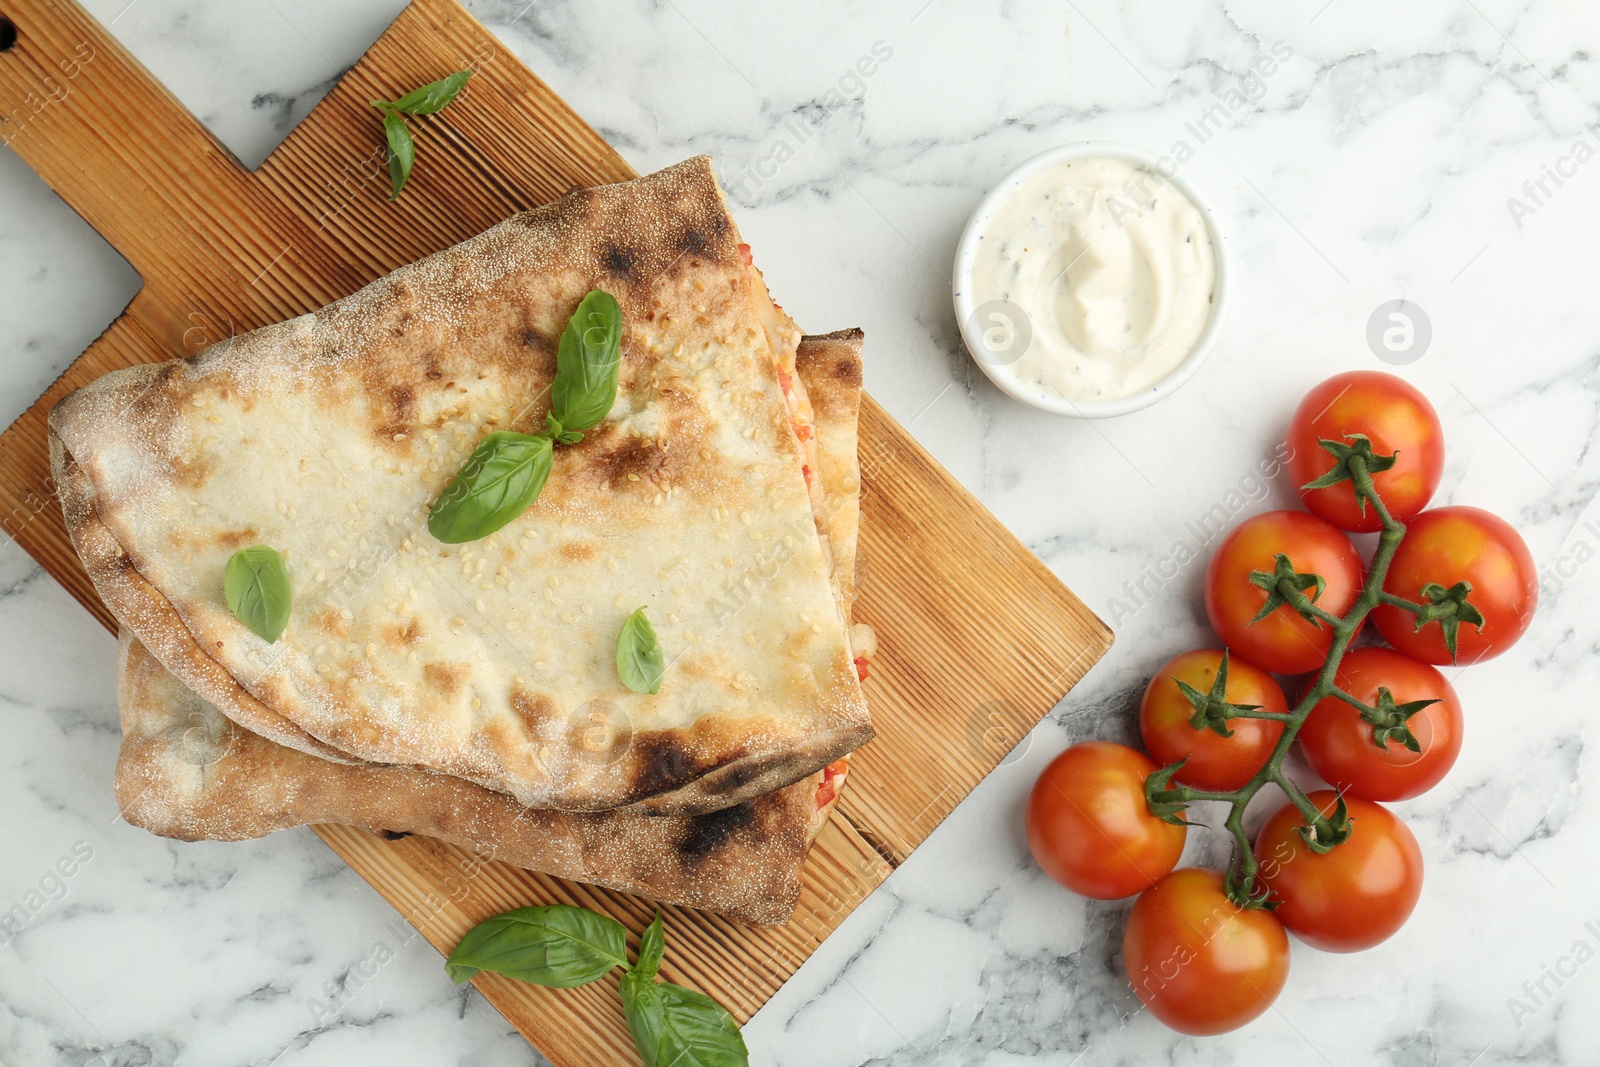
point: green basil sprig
(428, 100)
(557, 946)
(256, 584)
(431, 98)
(640, 662)
(652, 946)
(677, 1027)
(500, 479)
(587, 360)
(507, 470)
(564, 946)
(673, 1026)
(402, 153)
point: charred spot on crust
(333, 624)
(447, 678)
(834, 385)
(394, 835)
(407, 633)
(236, 539)
(846, 369)
(619, 262)
(709, 833)
(833, 355)
(664, 765)
(831, 364)
(741, 774)
(663, 762)
(191, 473)
(695, 243)
(532, 709)
(403, 402)
(668, 760)
(631, 455)
(703, 237)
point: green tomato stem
(1243, 889)
(1244, 857)
(1402, 603)
(1359, 705)
(1306, 606)
(1274, 716)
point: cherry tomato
(1200, 963)
(1338, 742)
(1284, 642)
(1455, 544)
(1352, 897)
(1214, 761)
(1395, 417)
(1088, 826)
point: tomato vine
(1323, 831)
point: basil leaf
(433, 97)
(497, 483)
(256, 584)
(652, 944)
(587, 359)
(640, 663)
(677, 1027)
(558, 945)
(402, 153)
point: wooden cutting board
(977, 639)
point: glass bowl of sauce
(1090, 281)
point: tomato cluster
(1288, 592)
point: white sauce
(1114, 270)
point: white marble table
(1377, 161)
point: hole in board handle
(8, 34)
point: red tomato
(1395, 417)
(1200, 963)
(1284, 642)
(1088, 826)
(1456, 544)
(1338, 742)
(1215, 762)
(1352, 897)
(832, 780)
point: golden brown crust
(327, 436)
(830, 366)
(186, 771)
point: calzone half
(188, 772)
(328, 436)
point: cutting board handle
(110, 139)
(81, 111)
